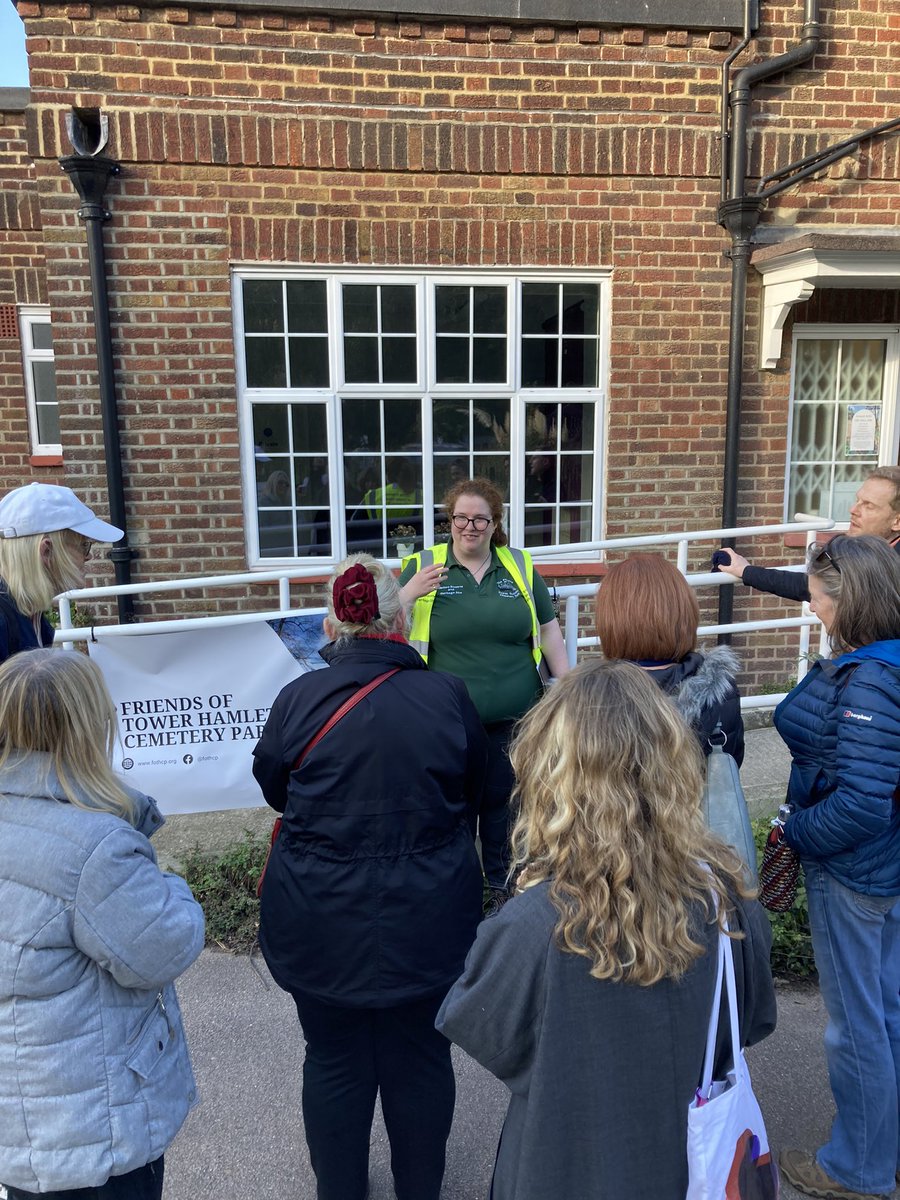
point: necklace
(480, 566)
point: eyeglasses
(478, 523)
(827, 560)
(82, 543)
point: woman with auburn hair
(372, 891)
(480, 611)
(841, 724)
(46, 535)
(646, 612)
(589, 994)
(95, 1078)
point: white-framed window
(365, 395)
(40, 379)
(845, 416)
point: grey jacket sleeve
(791, 585)
(141, 925)
(494, 1009)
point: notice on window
(862, 429)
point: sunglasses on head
(825, 559)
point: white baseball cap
(45, 507)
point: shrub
(226, 889)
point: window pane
(361, 359)
(579, 364)
(361, 475)
(265, 362)
(452, 360)
(310, 428)
(490, 424)
(540, 526)
(43, 375)
(810, 491)
(399, 360)
(574, 524)
(307, 307)
(575, 481)
(539, 362)
(450, 423)
(581, 308)
(276, 534)
(48, 424)
(489, 360)
(398, 308)
(577, 426)
(41, 335)
(311, 480)
(862, 370)
(541, 426)
(270, 430)
(813, 431)
(361, 424)
(449, 470)
(274, 488)
(815, 373)
(489, 312)
(494, 467)
(402, 425)
(309, 362)
(313, 532)
(540, 308)
(451, 305)
(263, 306)
(360, 301)
(540, 478)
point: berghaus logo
(848, 712)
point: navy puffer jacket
(373, 890)
(842, 727)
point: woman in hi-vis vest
(480, 611)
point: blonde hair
(56, 702)
(30, 581)
(609, 785)
(389, 602)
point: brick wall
(288, 137)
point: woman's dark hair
(486, 491)
(861, 575)
(646, 609)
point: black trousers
(144, 1183)
(493, 817)
(351, 1055)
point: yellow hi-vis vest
(520, 567)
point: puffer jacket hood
(703, 688)
(95, 1078)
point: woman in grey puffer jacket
(95, 1078)
(647, 613)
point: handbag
(724, 804)
(779, 871)
(353, 700)
(727, 1145)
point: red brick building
(352, 255)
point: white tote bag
(728, 1150)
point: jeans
(856, 939)
(493, 817)
(144, 1183)
(351, 1054)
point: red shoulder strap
(342, 712)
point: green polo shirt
(482, 633)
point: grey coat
(600, 1073)
(95, 1078)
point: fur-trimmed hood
(703, 687)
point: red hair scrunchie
(355, 596)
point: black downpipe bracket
(90, 176)
(740, 214)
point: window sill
(46, 460)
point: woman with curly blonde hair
(589, 993)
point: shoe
(803, 1173)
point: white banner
(191, 706)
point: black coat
(373, 890)
(704, 691)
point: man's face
(872, 513)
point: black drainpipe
(739, 214)
(90, 176)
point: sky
(13, 63)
